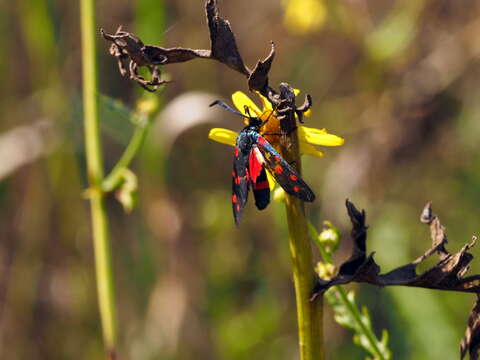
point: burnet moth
(254, 154)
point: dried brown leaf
(258, 79)
(471, 341)
(132, 53)
(222, 39)
(447, 274)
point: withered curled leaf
(471, 341)
(287, 110)
(258, 79)
(447, 274)
(132, 53)
(307, 104)
(222, 40)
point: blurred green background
(398, 80)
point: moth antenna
(226, 107)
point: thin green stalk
(116, 175)
(309, 313)
(100, 230)
(367, 331)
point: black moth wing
(240, 184)
(283, 173)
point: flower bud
(127, 193)
(329, 237)
(325, 271)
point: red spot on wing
(234, 174)
(261, 140)
(261, 185)
(236, 152)
(277, 158)
(234, 198)
(296, 188)
(238, 207)
(254, 166)
(237, 180)
(293, 177)
(278, 169)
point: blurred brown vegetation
(398, 80)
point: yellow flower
(308, 137)
(304, 16)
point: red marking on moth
(293, 177)
(261, 141)
(254, 165)
(236, 152)
(296, 188)
(238, 207)
(278, 169)
(234, 198)
(262, 185)
(237, 180)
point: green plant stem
(100, 230)
(309, 313)
(367, 331)
(356, 315)
(116, 175)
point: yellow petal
(265, 103)
(307, 113)
(240, 100)
(279, 194)
(319, 137)
(271, 181)
(223, 136)
(308, 149)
